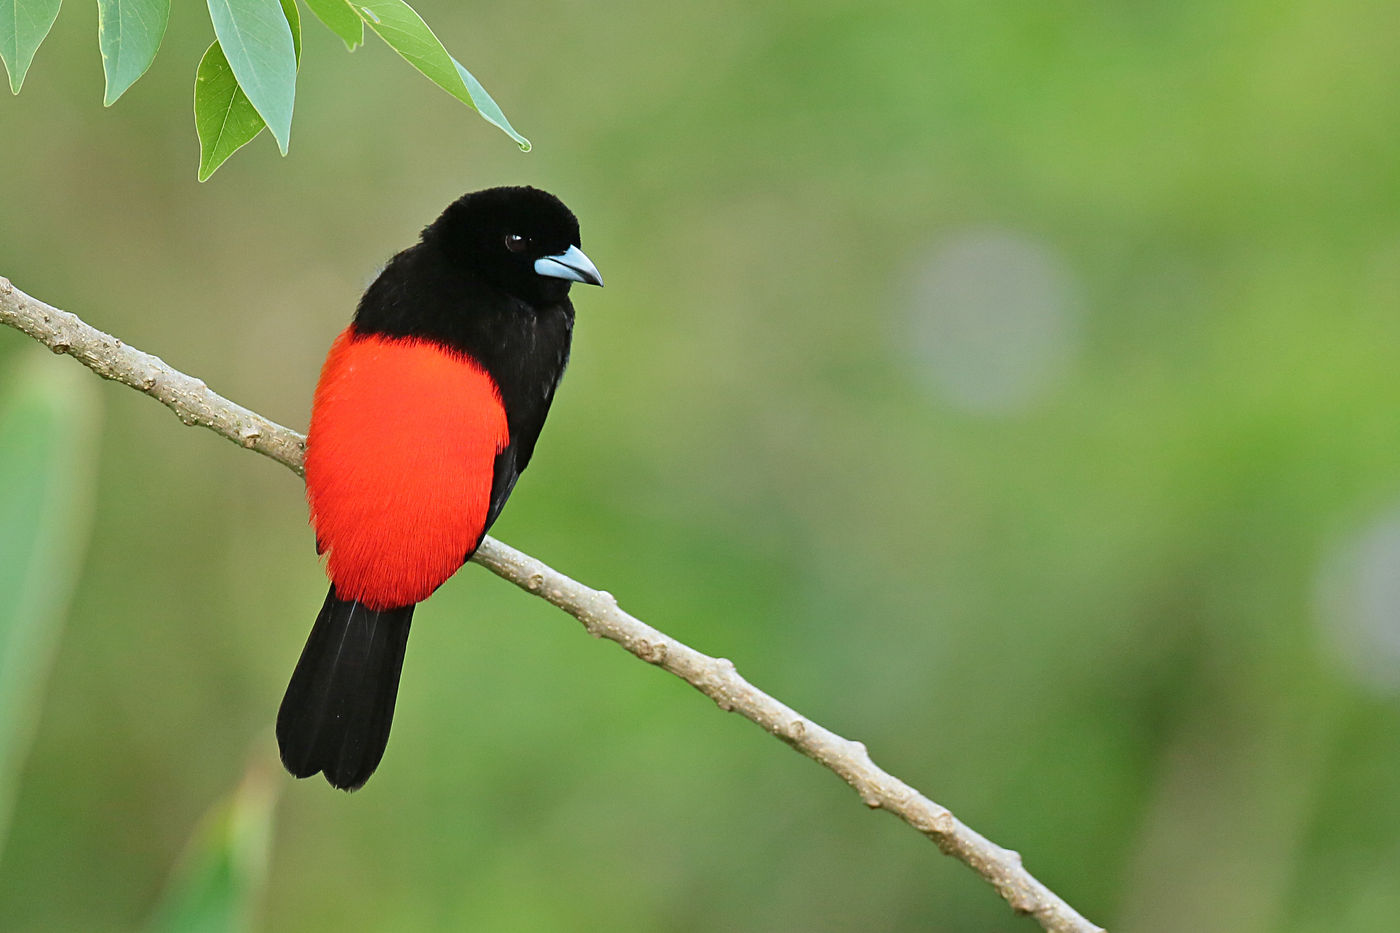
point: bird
(428, 409)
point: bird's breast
(399, 464)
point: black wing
(503, 484)
(527, 382)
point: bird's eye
(516, 243)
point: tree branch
(194, 403)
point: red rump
(399, 462)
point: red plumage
(399, 465)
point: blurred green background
(1011, 387)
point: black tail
(336, 714)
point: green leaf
(488, 108)
(289, 10)
(129, 32)
(224, 117)
(340, 18)
(404, 30)
(23, 25)
(257, 43)
(47, 428)
(216, 887)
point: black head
(521, 240)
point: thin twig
(194, 403)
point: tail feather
(339, 705)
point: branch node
(535, 582)
(652, 652)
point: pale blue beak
(570, 264)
